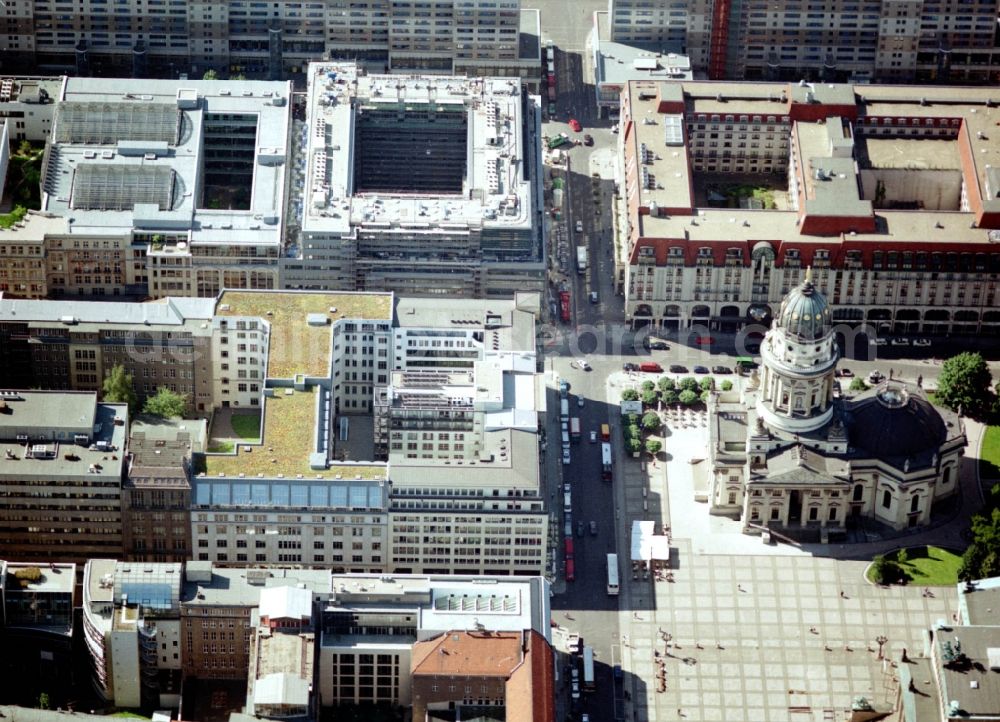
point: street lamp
(880, 640)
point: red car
(575, 125)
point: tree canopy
(687, 397)
(982, 557)
(166, 404)
(651, 421)
(858, 384)
(965, 381)
(630, 395)
(688, 383)
(119, 388)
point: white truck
(581, 259)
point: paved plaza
(747, 631)
(768, 638)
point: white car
(579, 226)
(584, 366)
(921, 342)
(565, 457)
(579, 401)
(901, 342)
(879, 341)
(593, 437)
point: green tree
(687, 397)
(707, 383)
(902, 556)
(705, 395)
(688, 383)
(982, 557)
(210, 75)
(237, 76)
(648, 386)
(884, 571)
(633, 446)
(630, 395)
(858, 384)
(651, 421)
(25, 148)
(653, 446)
(118, 388)
(727, 385)
(166, 404)
(632, 431)
(43, 700)
(669, 397)
(965, 381)
(666, 384)
(649, 398)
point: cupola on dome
(804, 313)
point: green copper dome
(804, 313)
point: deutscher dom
(788, 454)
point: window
(886, 499)
(775, 513)
(813, 513)
(833, 513)
(915, 504)
(859, 491)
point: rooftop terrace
(288, 433)
(295, 346)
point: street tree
(651, 421)
(965, 381)
(687, 397)
(653, 446)
(688, 383)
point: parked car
(701, 369)
(583, 364)
(593, 296)
(593, 528)
(588, 139)
(579, 226)
(580, 401)
(575, 125)
(565, 456)
(875, 377)
(921, 342)
(678, 369)
(593, 437)
(614, 128)
(628, 366)
(651, 368)
(722, 370)
(846, 373)
(879, 341)
(658, 345)
(579, 528)
(900, 341)
(567, 488)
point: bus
(606, 462)
(613, 575)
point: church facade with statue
(790, 455)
